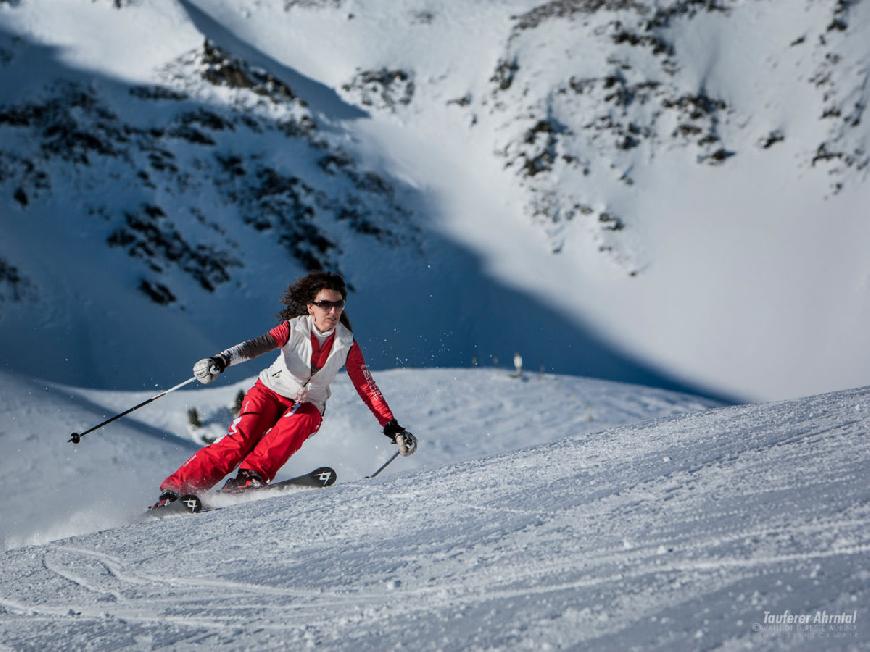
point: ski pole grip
(75, 438)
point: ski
(187, 504)
(323, 476)
(320, 477)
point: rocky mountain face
(218, 162)
(584, 127)
(175, 144)
(588, 127)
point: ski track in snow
(672, 534)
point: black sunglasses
(326, 305)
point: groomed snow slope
(675, 534)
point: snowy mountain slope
(176, 185)
(744, 267)
(207, 184)
(668, 193)
(59, 489)
(109, 478)
(685, 533)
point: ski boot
(245, 479)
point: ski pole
(395, 455)
(76, 437)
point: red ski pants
(265, 434)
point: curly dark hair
(303, 291)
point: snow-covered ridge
(682, 533)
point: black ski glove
(207, 369)
(405, 440)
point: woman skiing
(286, 404)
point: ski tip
(191, 503)
(187, 504)
(324, 476)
